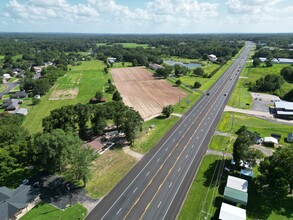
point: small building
(230, 212)
(13, 201)
(212, 57)
(11, 104)
(284, 109)
(111, 59)
(20, 111)
(246, 172)
(290, 138)
(19, 95)
(155, 66)
(237, 183)
(235, 196)
(7, 76)
(270, 140)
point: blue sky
(147, 16)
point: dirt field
(143, 92)
(60, 94)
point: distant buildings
(155, 66)
(278, 60)
(212, 57)
(111, 59)
(284, 109)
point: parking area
(262, 102)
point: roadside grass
(2, 87)
(185, 103)
(148, 137)
(241, 95)
(233, 121)
(91, 79)
(44, 211)
(204, 196)
(107, 170)
(220, 142)
(133, 45)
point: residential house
(230, 212)
(212, 57)
(19, 95)
(11, 104)
(236, 190)
(20, 111)
(155, 66)
(13, 201)
(111, 59)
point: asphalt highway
(156, 187)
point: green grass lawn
(220, 142)
(119, 65)
(241, 95)
(133, 45)
(203, 195)
(108, 169)
(87, 77)
(148, 138)
(2, 87)
(45, 211)
(263, 127)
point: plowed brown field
(146, 94)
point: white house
(212, 57)
(270, 140)
(230, 212)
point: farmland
(144, 93)
(85, 79)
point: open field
(107, 170)
(147, 138)
(133, 45)
(88, 78)
(45, 211)
(143, 92)
(219, 143)
(203, 195)
(233, 121)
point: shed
(270, 140)
(235, 196)
(230, 212)
(237, 183)
(155, 66)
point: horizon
(146, 16)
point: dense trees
(197, 85)
(116, 96)
(289, 96)
(276, 172)
(287, 73)
(178, 82)
(269, 83)
(198, 71)
(241, 150)
(180, 70)
(164, 72)
(256, 62)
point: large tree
(198, 71)
(277, 172)
(167, 110)
(287, 73)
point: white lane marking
(186, 156)
(158, 160)
(170, 185)
(179, 169)
(159, 204)
(134, 190)
(147, 173)
(119, 211)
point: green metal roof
(235, 196)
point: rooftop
(284, 105)
(235, 196)
(270, 140)
(237, 183)
(230, 212)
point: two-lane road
(157, 185)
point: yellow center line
(171, 154)
(179, 157)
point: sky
(147, 16)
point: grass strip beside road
(44, 211)
(233, 121)
(203, 196)
(107, 170)
(220, 142)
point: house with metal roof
(155, 66)
(13, 201)
(20, 111)
(237, 183)
(230, 212)
(270, 140)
